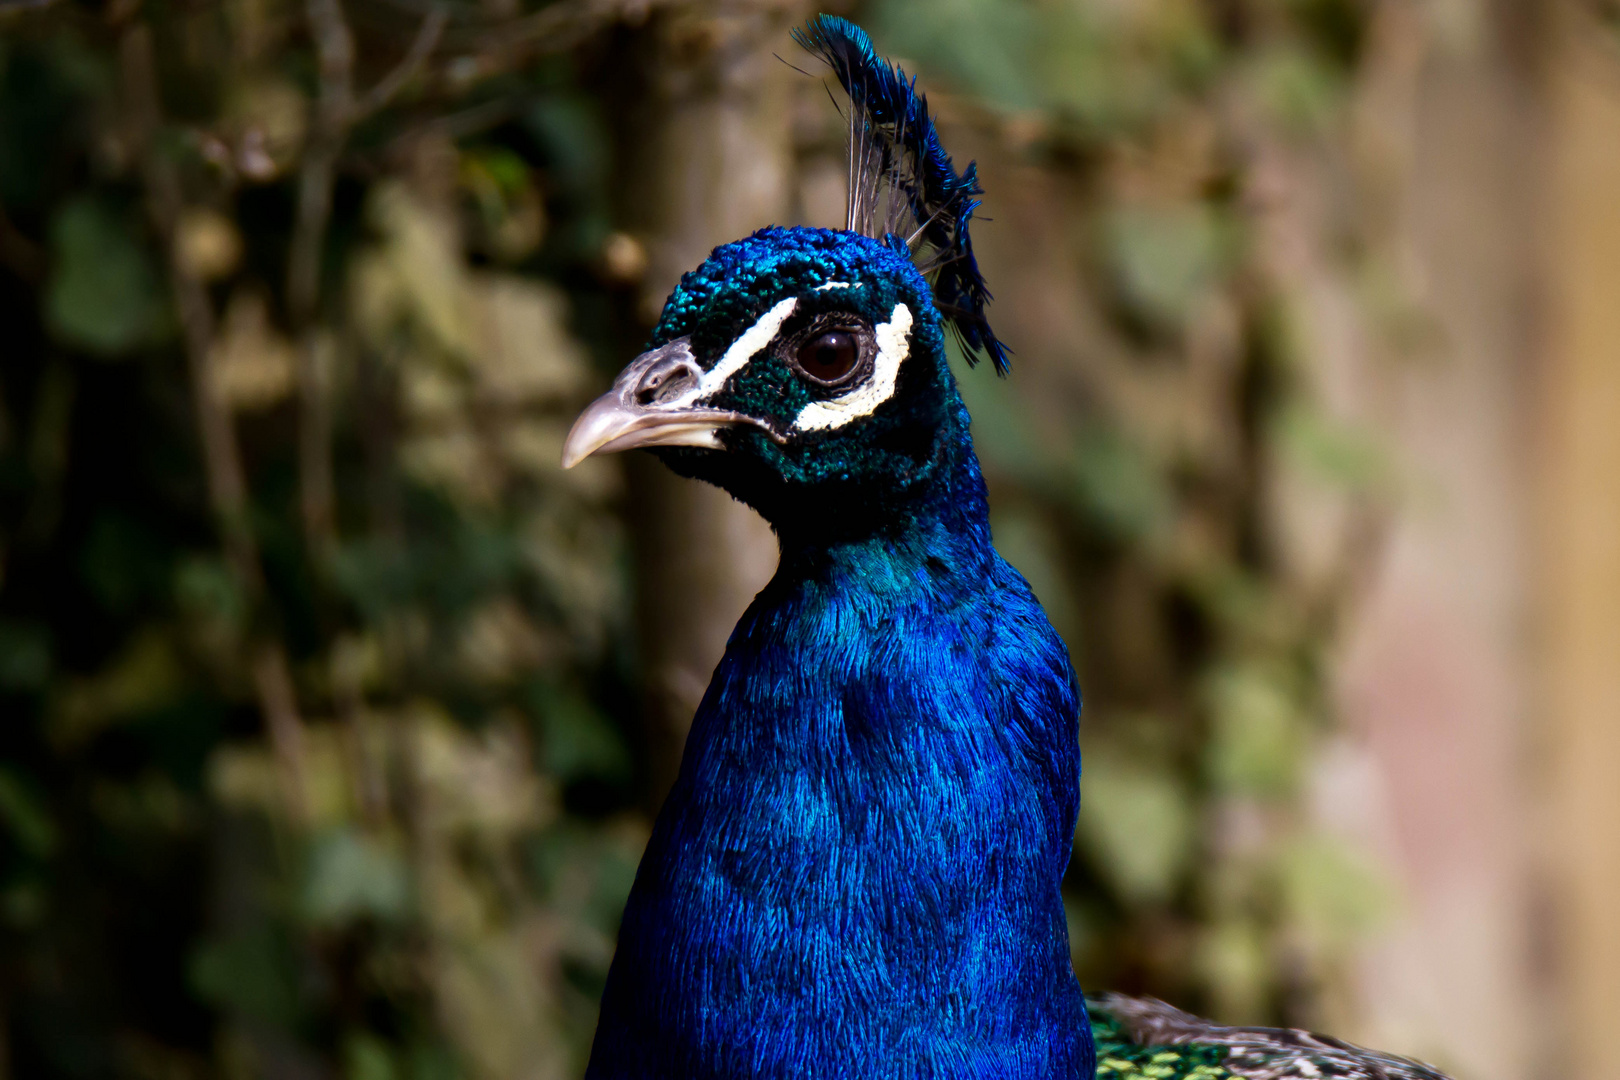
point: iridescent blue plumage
(860, 861)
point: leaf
(1138, 823)
(205, 589)
(23, 902)
(524, 352)
(499, 642)
(1348, 457)
(253, 973)
(352, 875)
(25, 656)
(420, 280)
(25, 815)
(574, 138)
(244, 777)
(207, 244)
(1116, 485)
(145, 676)
(511, 218)
(1118, 68)
(118, 560)
(254, 366)
(1258, 741)
(1300, 91)
(1332, 894)
(479, 782)
(103, 294)
(578, 739)
(150, 803)
(983, 46)
(271, 113)
(432, 1061)
(47, 81)
(1233, 959)
(1165, 259)
(366, 1057)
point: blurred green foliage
(345, 780)
(416, 871)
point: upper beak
(650, 404)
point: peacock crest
(903, 189)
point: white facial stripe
(837, 285)
(744, 349)
(892, 345)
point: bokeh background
(333, 714)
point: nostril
(665, 380)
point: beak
(651, 404)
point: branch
(222, 460)
(502, 45)
(427, 39)
(334, 52)
(336, 113)
(555, 29)
(334, 109)
(316, 489)
(227, 488)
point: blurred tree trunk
(709, 160)
(1433, 680)
(1578, 527)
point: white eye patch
(745, 348)
(892, 345)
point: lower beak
(650, 404)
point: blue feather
(857, 873)
(895, 146)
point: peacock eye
(829, 356)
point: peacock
(857, 871)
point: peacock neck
(860, 861)
(933, 533)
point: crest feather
(903, 189)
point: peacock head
(799, 369)
(804, 370)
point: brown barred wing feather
(1146, 1039)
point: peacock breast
(865, 833)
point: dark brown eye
(829, 356)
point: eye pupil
(829, 356)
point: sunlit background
(333, 714)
